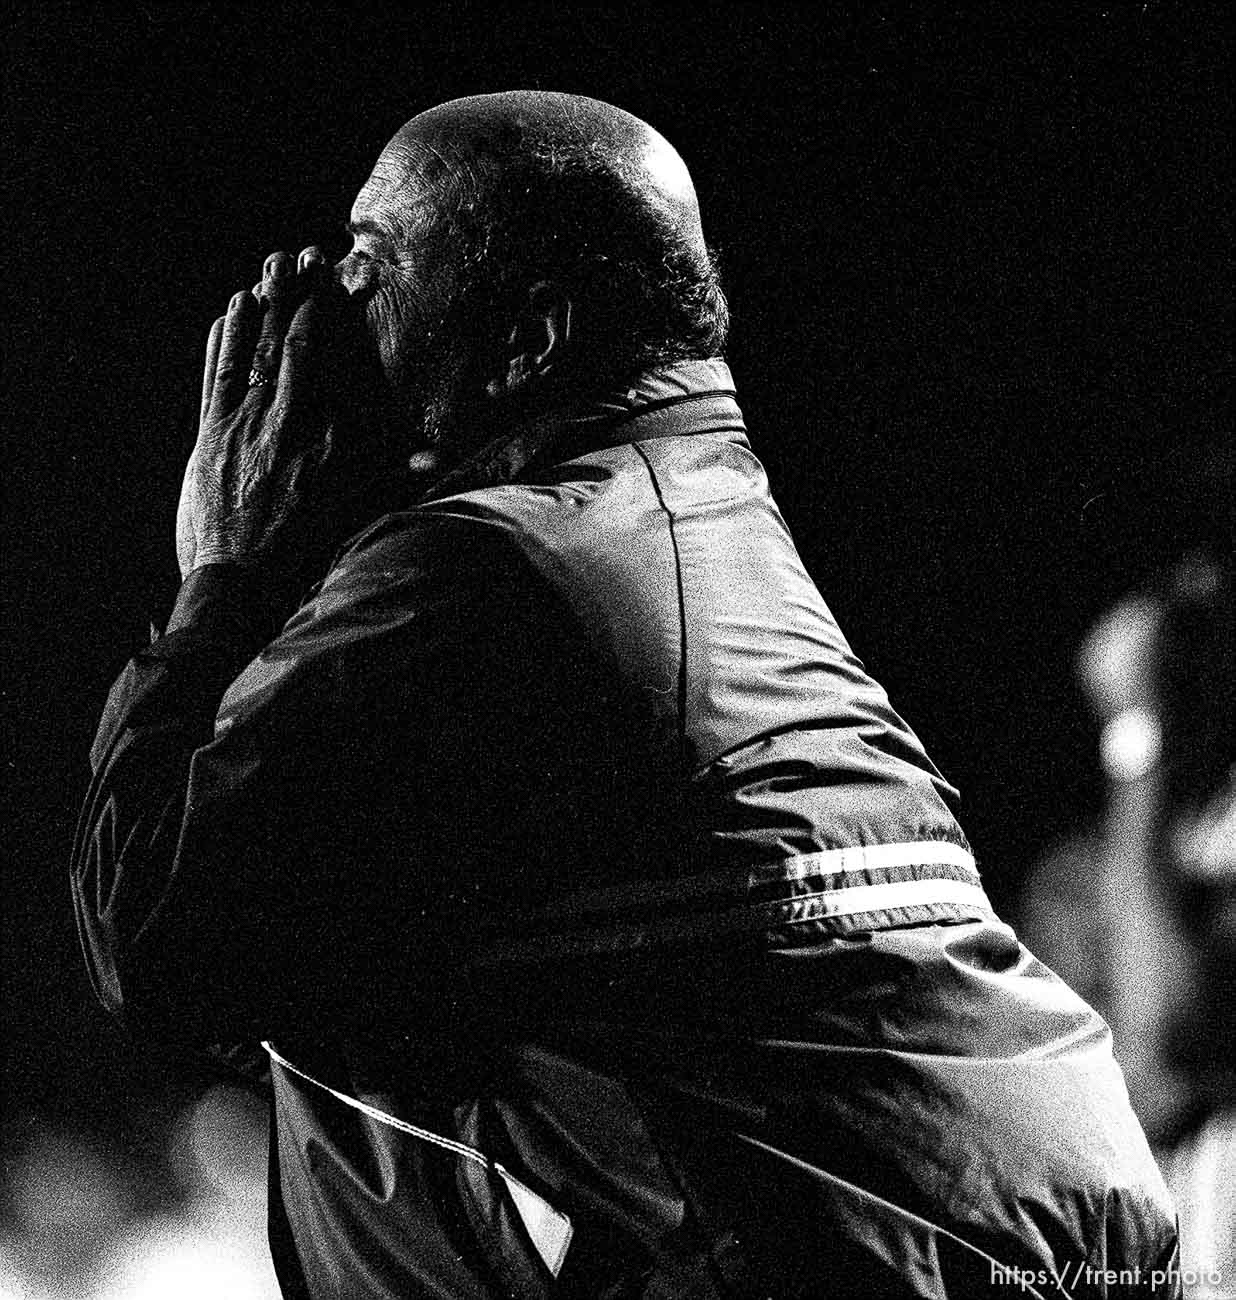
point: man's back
(680, 925)
(602, 707)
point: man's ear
(537, 342)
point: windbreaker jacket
(558, 822)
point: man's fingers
(306, 261)
(300, 365)
(278, 292)
(299, 362)
(253, 335)
(213, 342)
(236, 341)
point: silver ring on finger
(258, 378)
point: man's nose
(348, 276)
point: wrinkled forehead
(409, 186)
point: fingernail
(309, 257)
(275, 267)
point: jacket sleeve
(214, 867)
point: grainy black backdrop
(978, 259)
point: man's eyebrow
(367, 227)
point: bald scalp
(537, 185)
(490, 134)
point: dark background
(978, 260)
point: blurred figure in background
(85, 1219)
(1139, 912)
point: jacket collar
(682, 379)
(645, 408)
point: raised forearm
(160, 711)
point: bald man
(502, 770)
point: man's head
(512, 249)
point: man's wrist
(227, 600)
